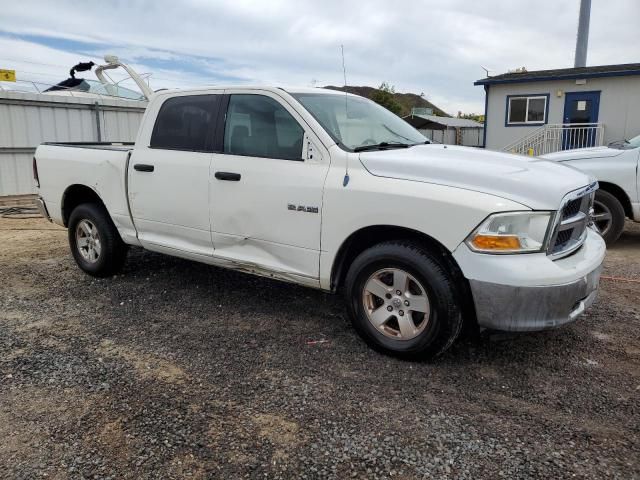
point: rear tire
(608, 216)
(95, 243)
(388, 288)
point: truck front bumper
(531, 291)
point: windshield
(92, 86)
(354, 122)
(118, 91)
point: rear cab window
(186, 123)
(258, 126)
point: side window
(186, 123)
(258, 126)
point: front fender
(446, 214)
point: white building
(550, 110)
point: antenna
(487, 70)
(345, 182)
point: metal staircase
(558, 136)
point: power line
(32, 62)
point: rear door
(169, 176)
(266, 191)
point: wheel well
(74, 196)
(367, 237)
(620, 195)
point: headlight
(513, 232)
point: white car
(616, 168)
(332, 191)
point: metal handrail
(28, 86)
(557, 137)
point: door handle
(141, 167)
(230, 176)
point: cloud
(421, 46)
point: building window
(524, 110)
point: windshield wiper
(382, 146)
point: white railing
(560, 136)
(30, 86)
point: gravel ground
(176, 369)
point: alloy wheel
(396, 304)
(602, 217)
(88, 241)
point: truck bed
(99, 166)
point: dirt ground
(180, 370)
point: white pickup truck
(616, 168)
(334, 192)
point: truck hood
(583, 154)
(533, 182)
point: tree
(472, 116)
(385, 96)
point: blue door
(580, 108)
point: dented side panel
(271, 216)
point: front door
(169, 179)
(580, 116)
(266, 190)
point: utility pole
(583, 34)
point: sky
(433, 47)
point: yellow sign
(7, 75)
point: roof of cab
(270, 88)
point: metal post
(98, 128)
(583, 34)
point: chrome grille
(563, 237)
(571, 222)
(572, 208)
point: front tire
(403, 301)
(608, 216)
(95, 243)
